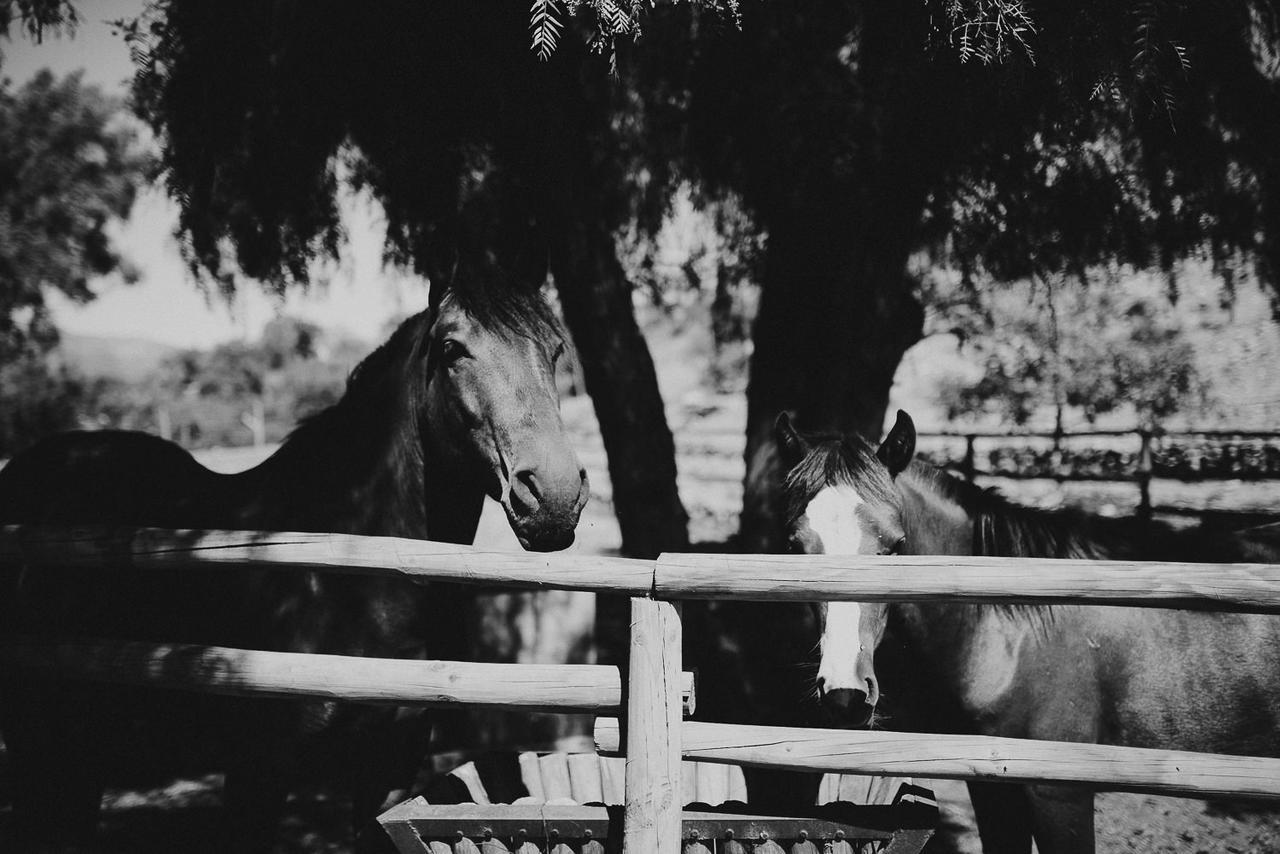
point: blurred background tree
(1071, 348)
(69, 167)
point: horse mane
(1004, 528)
(1001, 527)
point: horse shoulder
(1034, 673)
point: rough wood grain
(824, 578)
(971, 757)
(651, 822)
(420, 560)
(223, 670)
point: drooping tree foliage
(999, 138)
(494, 169)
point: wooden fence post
(1144, 476)
(653, 705)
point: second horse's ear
(899, 447)
(791, 445)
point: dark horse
(1132, 676)
(459, 403)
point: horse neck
(934, 522)
(355, 468)
(940, 636)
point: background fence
(1135, 455)
(650, 728)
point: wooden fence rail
(971, 757)
(585, 688)
(418, 560)
(656, 739)
(1243, 587)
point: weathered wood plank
(971, 757)
(591, 688)
(1245, 587)
(419, 560)
(651, 823)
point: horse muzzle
(848, 708)
(543, 507)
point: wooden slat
(584, 778)
(652, 815)
(1244, 587)
(556, 784)
(612, 771)
(420, 560)
(531, 775)
(243, 672)
(712, 783)
(971, 757)
(470, 777)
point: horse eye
(557, 353)
(451, 351)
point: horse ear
(899, 446)
(791, 445)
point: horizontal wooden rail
(240, 672)
(420, 560)
(973, 757)
(1239, 587)
(1253, 588)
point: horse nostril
(845, 701)
(525, 492)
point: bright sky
(356, 296)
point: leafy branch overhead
(989, 31)
(612, 20)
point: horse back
(108, 478)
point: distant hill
(127, 359)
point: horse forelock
(837, 461)
(507, 310)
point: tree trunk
(828, 339)
(620, 378)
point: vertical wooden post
(969, 465)
(1144, 476)
(652, 820)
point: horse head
(494, 412)
(842, 499)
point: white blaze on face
(833, 516)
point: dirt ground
(708, 429)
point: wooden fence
(1145, 465)
(656, 691)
